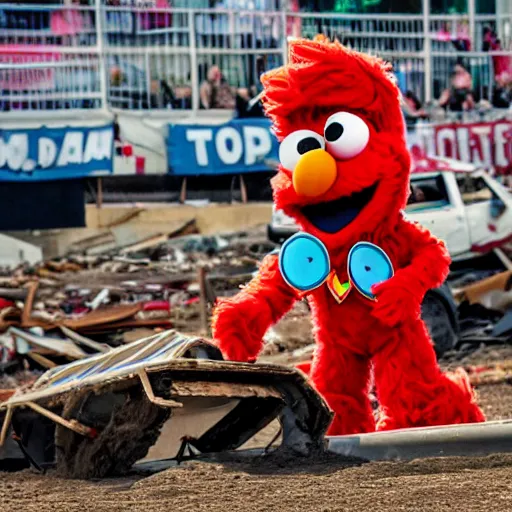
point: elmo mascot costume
(344, 177)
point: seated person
(459, 96)
(412, 107)
(215, 92)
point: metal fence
(141, 57)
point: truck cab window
(427, 193)
(474, 190)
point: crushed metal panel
(103, 316)
(304, 417)
(133, 391)
(117, 363)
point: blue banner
(237, 147)
(56, 153)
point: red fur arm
(429, 263)
(399, 299)
(239, 323)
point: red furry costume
(323, 79)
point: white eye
(296, 144)
(346, 135)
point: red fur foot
(351, 416)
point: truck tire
(437, 319)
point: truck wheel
(437, 320)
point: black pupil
(333, 132)
(307, 144)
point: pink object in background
(443, 35)
(156, 305)
(294, 24)
(140, 165)
(36, 79)
(67, 22)
(157, 16)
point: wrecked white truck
(460, 204)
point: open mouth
(334, 215)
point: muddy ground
(326, 484)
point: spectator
(462, 40)
(502, 63)
(215, 92)
(459, 96)
(70, 22)
(489, 39)
(157, 17)
(502, 94)
(412, 107)
(458, 34)
(293, 24)
(249, 108)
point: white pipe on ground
(479, 439)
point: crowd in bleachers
(147, 48)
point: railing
(139, 58)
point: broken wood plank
(40, 359)
(55, 345)
(98, 347)
(224, 389)
(29, 301)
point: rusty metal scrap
(224, 389)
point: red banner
(486, 144)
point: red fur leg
(342, 378)
(412, 390)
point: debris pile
(485, 309)
(119, 287)
(101, 296)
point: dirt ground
(330, 483)
(272, 484)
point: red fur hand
(240, 322)
(232, 334)
(395, 303)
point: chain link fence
(147, 55)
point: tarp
(56, 153)
(236, 147)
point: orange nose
(314, 174)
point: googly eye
(346, 135)
(296, 144)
